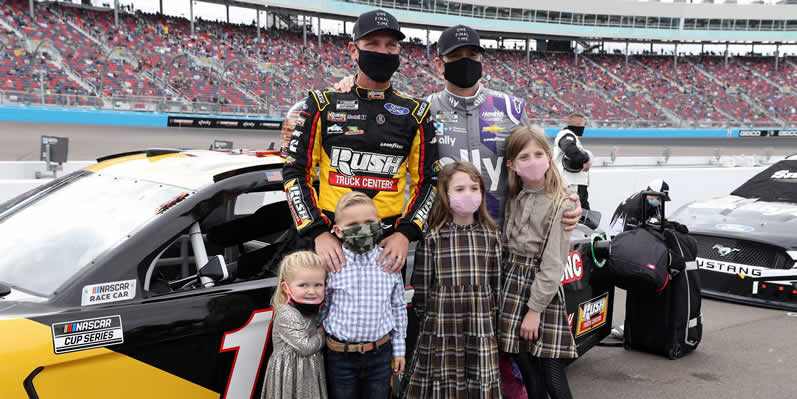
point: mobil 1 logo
(85, 334)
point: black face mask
(306, 309)
(378, 66)
(578, 130)
(463, 72)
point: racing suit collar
(371, 94)
(467, 103)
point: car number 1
(249, 343)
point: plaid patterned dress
(456, 281)
(532, 279)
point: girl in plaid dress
(456, 281)
(533, 323)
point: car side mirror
(591, 219)
(216, 270)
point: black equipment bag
(670, 322)
(639, 260)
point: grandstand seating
(151, 55)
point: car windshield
(51, 235)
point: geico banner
(223, 123)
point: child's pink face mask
(532, 169)
(465, 204)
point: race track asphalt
(746, 352)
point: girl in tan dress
(296, 367)
(534, 326)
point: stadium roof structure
(611, 20)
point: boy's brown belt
(338, 346)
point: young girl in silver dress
(296, 368)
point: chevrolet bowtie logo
(493, 129)
(723, 250)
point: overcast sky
(217, 12)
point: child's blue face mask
(654, 202)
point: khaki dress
(532, 280)
(456, 281)
(296, 367)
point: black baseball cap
(372, 21)
(456, 37)
(659, 185)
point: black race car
(149, 275)
(99, 289)
(747, 241)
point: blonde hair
(442, 208)
(520, 138)
(350, 199)
(301, 260)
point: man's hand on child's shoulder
(398, 365)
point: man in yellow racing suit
(369, 140)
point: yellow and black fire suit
(368, 141)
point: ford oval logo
(396, 109)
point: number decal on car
(249, 343)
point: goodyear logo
(300, 212)
(592, 314)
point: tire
(675, 352)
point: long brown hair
(441, 210)
(520, 138)
(301, 260)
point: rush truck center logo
(301, 215)
(423, 212)
(592, 314)
(574, 269)
(349, 162)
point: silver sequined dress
(296, 368)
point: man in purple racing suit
(472, 122)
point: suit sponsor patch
(396, 109)
(85, 334)
(422, 214)
(336, 117)
(348, 105)
(421, 111)
(446, 117)
(350, 162)
(592, 314)
(363, 182)
(108, 292)
(299, 210)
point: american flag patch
(273, 175)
